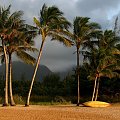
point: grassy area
(50, 103)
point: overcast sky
(55, 55)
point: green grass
(50, 103)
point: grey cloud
(98, 10)
(55, 55)
(95, 5)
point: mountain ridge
(25, 71)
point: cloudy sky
(55, 55)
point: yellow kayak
(96, 104)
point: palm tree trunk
(78, 77)
(34, 75)
(6, 76)
(12, 103)
(96, 96)
(93, 96)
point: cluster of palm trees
(103, 59)
(101, 49)
(15, 37)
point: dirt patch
(59, 113)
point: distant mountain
(67, 72)
(25, 71)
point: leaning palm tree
(50, 23)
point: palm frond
(36, 21)
(27, 48)
(26, 57)
(61, 38)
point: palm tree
(19, 40)
(22, 54)
(13, 24)
(6, 75)
(102, 60)
(17, 36)
(21, 51)
(83, 32)
(4, 12)
(50, 23)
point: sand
(59, 113)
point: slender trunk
(12, 103)
(78, 77)
(96, 96)
(6, 76)
(34, 75)
(93, 96)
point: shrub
(18, 99)
(59, 99)
(1, 100)
(111, 99)
(41, 99)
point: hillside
(25, 71)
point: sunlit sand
(59, 113)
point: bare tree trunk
(78, 77)
(34, 75)
(6, 76)
(12, 103)
(93, 96)
(96, 96)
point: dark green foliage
(59, 99)
(69, 86)
(21, 87)
(18, 99)
(2, 85)
(51, 85)
(52, 89)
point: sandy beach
(59, 113)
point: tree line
(65, 89)
(101, 49)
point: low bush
(1, 100)
(111, 99)
(37, 99)
(18, 99)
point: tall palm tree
(83, 32)
(102, 60)
(20, 49)
(19, 41)
(50, 23)
(4, 13)
(13, 24)
(6, 75)
(6, 24)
